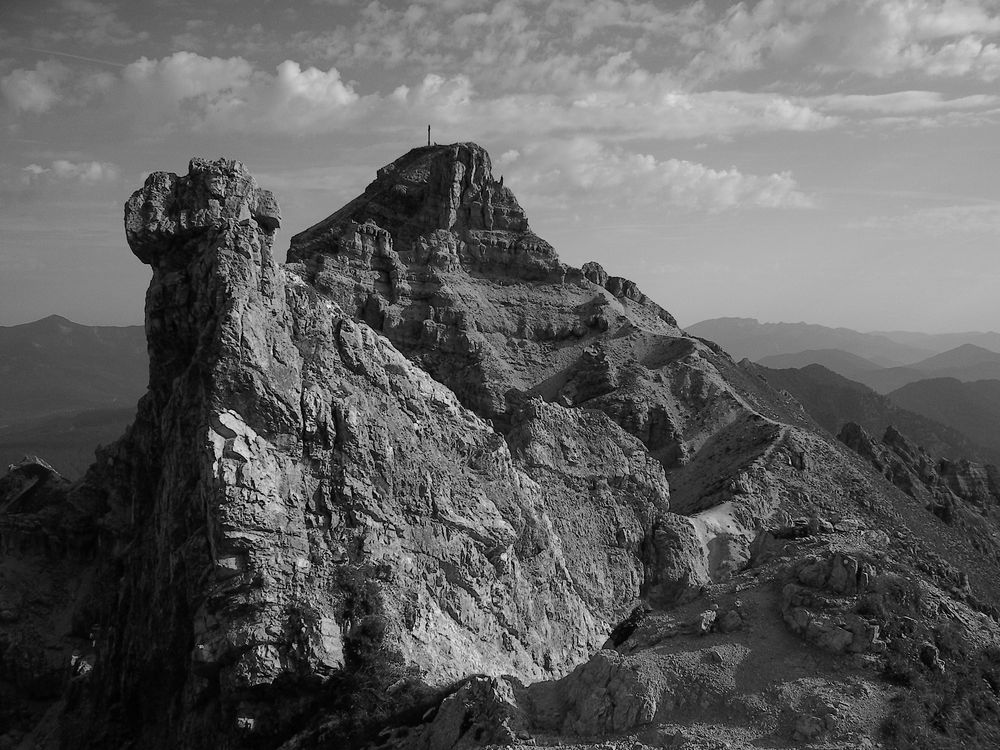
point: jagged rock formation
(438, 256)
(962, 494)
(938, 483)
(400, 491)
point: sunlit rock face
(438, 256)
(410, 489)
(301, 500)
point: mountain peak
(437, 255)
(48, 323)
(430, 188)
(964, 355)
(427, 462)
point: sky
(829, 161)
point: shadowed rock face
(422, 450)
(298, 500)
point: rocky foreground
(424, 486)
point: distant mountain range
(751, 339)
(943, 341)
(833, 400)
(843, 363)
(943, 390)
(65, 387)
(967, 363)
(972, 408)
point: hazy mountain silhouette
(841, 362)
(751, 339)
(972, 408)
(57, 366)
(964, 356)
(833, 400)
(66, 387)
(943, 341)
(967, 363)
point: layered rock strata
(400, 491)
(303, 500)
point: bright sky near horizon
(834, 161)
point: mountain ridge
(428, 487)
(846, 364)
(833, 400)
(54, 365)
(970, 407)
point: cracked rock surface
(425, 486)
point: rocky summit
(423, 486)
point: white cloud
(611, 70)
(295, 100)
(51, 83)
(875, 37)
(628, 106)
(187, 76)
(609, 176)
(508, 157)
(86, 172)
(230, 95)
(63, 170)
(37, 90)
(618, 99)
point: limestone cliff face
(438, 256)
(401, 491)
(302, 500)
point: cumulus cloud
(613, 70)
(624, 107)
(229, 94)
(875, 37)
(51, 83)
(615, 177)
(36, 90)
(617, 99)
(185, 75)
(63, 170)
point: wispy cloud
(587, 171)
(96, 24)
(941, 221)
(70, 56)
(875, 37)
(63, 170)
(232, 95)
(902, 102)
